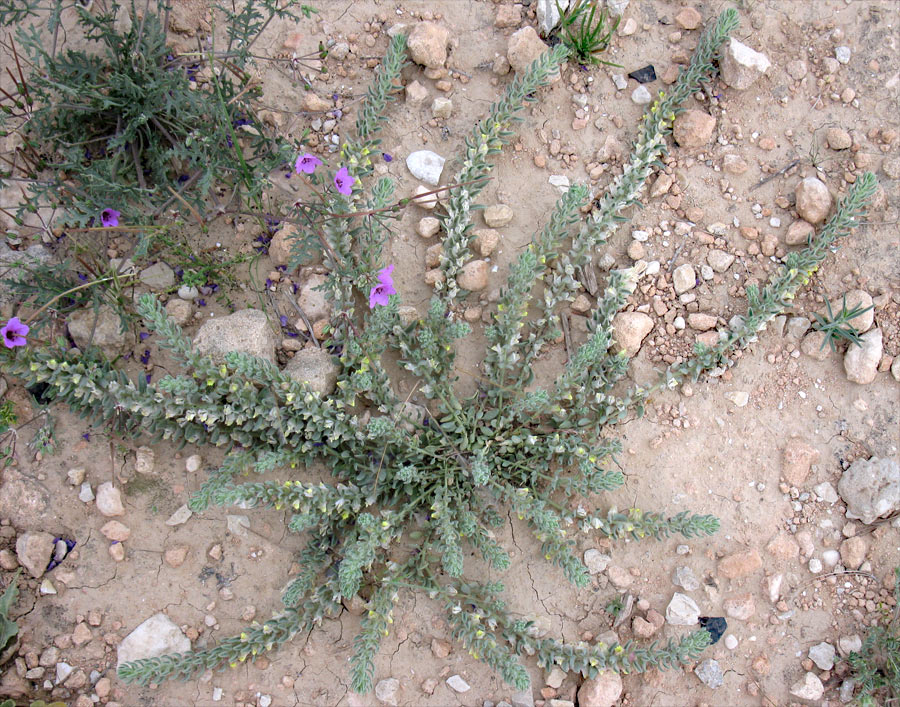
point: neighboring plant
(876, 667)
(8, 627)
(413, 486)
(129, 127)
(838, 327)
(585, 32)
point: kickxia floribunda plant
(412, 487)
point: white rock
(710, 674)
(180, 516)
(682, 611)
(426, 166)
(842, 54)
(548, 14)
(630, 329)
(386, 691)
(773, 586)
(157, 636)
(596, 561)
(685, 578)
(559, 181)
(871, 488)
(617, 7)
(809, 687)
(822, 654)
(849, 644)
(620, 81)
(731, 642)
(63, 670)
(442, 107)
(316, 368)
(815, 565)
(641, 96)
(426, 202)
(740, 398)
(457, 684)
(831, 558)
(246, 331)
(861, 362)
(825, 491)
(193, 463)
(740, 65)
(86, 494)
(684, 278)
(109, 500)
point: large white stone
(741, 66)
(157, 636)
(426, 166)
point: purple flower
(148, 377)
(110, 218)
(387, 157)
(145, 357)
(201, 302)
(86, 436)
(283, 319)
(143, 335)
(306, 163)
(14, 333)
(343, 182)
(379, 294)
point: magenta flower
(379, 294)
(14, 333)
(110, 218)
(343, 182)
(306, 164)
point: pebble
(497, 215)
(415, 92)
(799, 232)
(710, 674)
(441, 108)
(853, 552)
(809, 687)
(641, 96)
(685, 578)
(630, 329)
(524, 47)
(838, 138)
(731, 642)
(861, 362)
(741, 607)
(86, 494)
(842, 54)
(386, 691)
(797, 459)
(871, 488)
(175, 556)
(34, 551)
(596, 561)
(427, 44)
(813, 200)
(425, 202)
(822, 654)
(741, 66)
(620, 82)
(116, 531)
(109, 500)
(688, 18)
(154, 637)
(682, 611)
(739, 398)
(619, 577)
(457, 684)
(684, 278)
(830, 558)
(849, 644)
(474, 275)
(193, 463)
(740, 564)
(426, 166)
(180, 516)
(815, 565)
(179, 311)
(117, 551)
(602, 690)
(693, 128)
(76, 476)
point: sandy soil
(697, 450)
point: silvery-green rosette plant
(413, 487)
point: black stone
(645, 75)
(715, 625)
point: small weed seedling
(584, 37)
(876, 667)
(837, 327)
